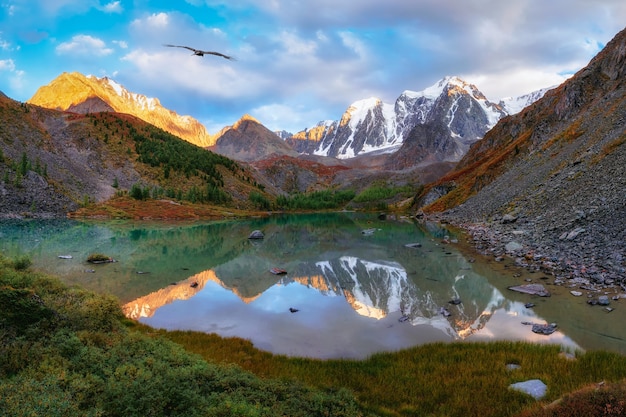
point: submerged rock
(532, 289)
(256, 234)
(413, 245)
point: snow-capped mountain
(370, 125)
(513, 105)
(89, 94)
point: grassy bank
(66, 351)
(69, 352)
(457, 379)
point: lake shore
(580, 266)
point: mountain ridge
(55, 162)
(248, 140)
(372, 127)
(78, 93)
(368, 125)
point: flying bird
(198, 52)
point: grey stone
(508, 218)
(572, 234)
(513, 246)
(533, 387)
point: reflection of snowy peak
(373, 289)
(377, 289)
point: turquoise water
(360, 285)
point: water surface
(360, 285)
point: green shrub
(383, 192)
(260, 201)
(21, 308)
(22, 263)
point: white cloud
(84, 45)
(7, 65)
(514, 83)
(285, 116)
(121, 44)
(210, 77)
(113, 7)
(157, 20)
(295, 45)
(15, 76)
(350, 40)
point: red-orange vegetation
(474, 176)
(163, 209)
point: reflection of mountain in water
(374, 289)
(380, 289)
(146, 306)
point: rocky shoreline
(503, 238)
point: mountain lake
(346, 285)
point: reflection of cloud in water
(336, 303)
(324, 327)
(507, 325)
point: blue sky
(299, 61)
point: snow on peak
(145, 103)
(358, 111)
(435, 90)
(362, 106)
(514, 105)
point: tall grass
(456, 379)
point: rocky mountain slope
(52, 162)
(550, 180)
(248, 140)
(371, 125)
(78, 93)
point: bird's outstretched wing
(200, 52)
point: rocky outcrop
(425, 143)
(51, 162)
